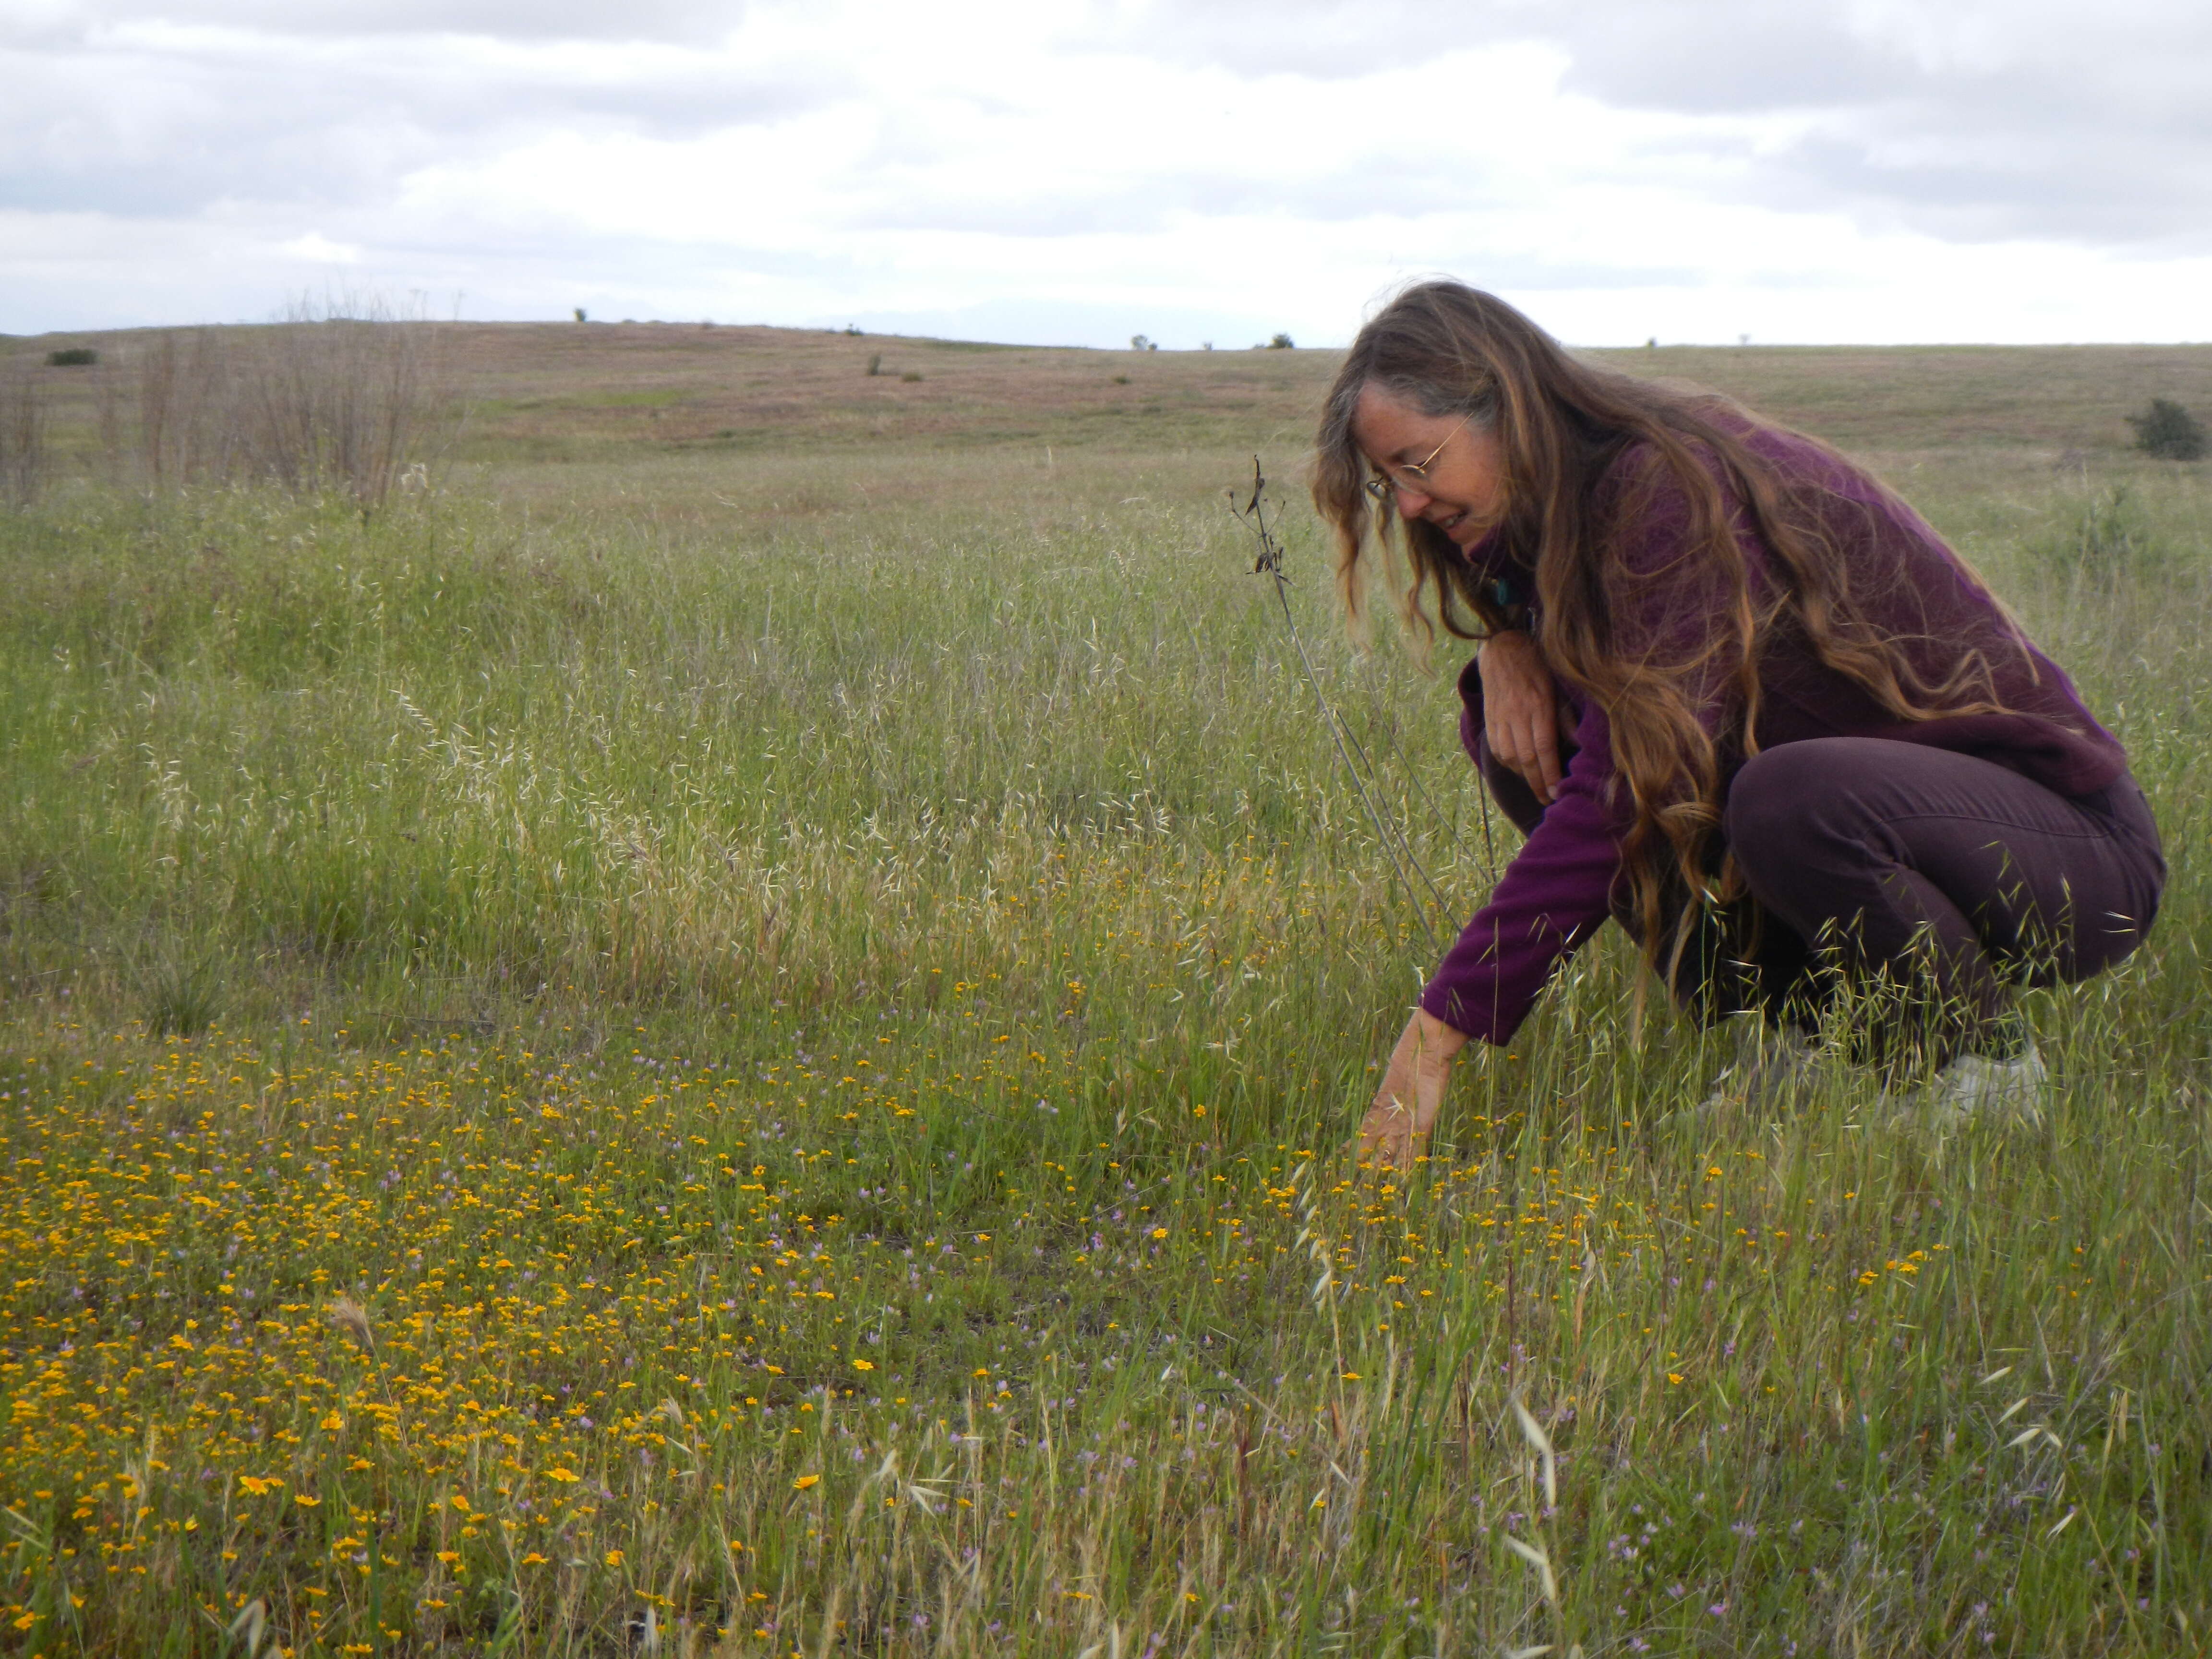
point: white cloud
(1844, 169)
(317, 249)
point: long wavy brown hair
(1449, 350)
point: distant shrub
(1281, 342)
(1140, 342)
(875, 362)
(911, 375)
(2169, 431)
(1120, 380)
(72, 357)
(343, 397)
(580, 317)
(853, 329)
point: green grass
(814, 1000)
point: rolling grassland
(728, 1027)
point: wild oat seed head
(349, 1316)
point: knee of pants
(1778, 805)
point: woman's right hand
(1396, 1127)
(1520, 711)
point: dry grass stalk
(343, 400)
(23, 454)
(349, 1316)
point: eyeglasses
(1414, 476)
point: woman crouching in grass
(1740, 699)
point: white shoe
(1975, 1086)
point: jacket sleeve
(1554, 894)
(1561, 885)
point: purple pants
(1929, 881)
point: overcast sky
(1212, 170)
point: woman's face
(1442, 468)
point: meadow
(728, 1026)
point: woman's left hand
(1520, 711)
(1396, 1127)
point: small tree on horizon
(2169, 431)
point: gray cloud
(144, 126)
(255, 121)
(2091, 125)
(687, 21)
(1971, 122)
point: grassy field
(732, 1031)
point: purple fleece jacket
(1561, 885)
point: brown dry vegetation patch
(553, 381)
(1939, 398)
(566, 385)
(564, 392)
